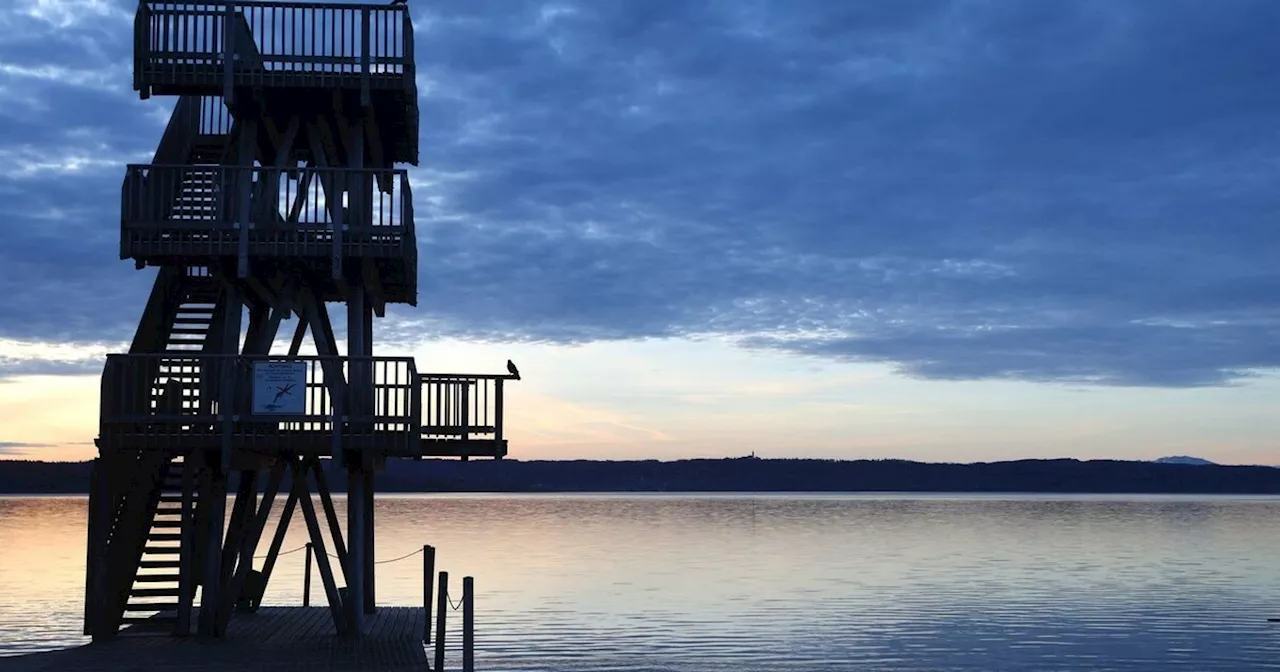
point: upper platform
(283, 55)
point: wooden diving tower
(273, 193)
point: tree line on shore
(747, 475)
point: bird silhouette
(511, 367)
(399, 2)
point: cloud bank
(1055, 191)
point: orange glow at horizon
(706, 398)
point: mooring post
(428, 571)
(468, 624)
(306, 578)
(442, 604)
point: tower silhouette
(272, 194)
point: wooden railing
(201, 394)
(166, 394)
(175, 39)
(187, 197)
(462, 406)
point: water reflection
(599, 582)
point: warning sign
(279, 388)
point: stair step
(155, 578)
(164, 536)
(151, 606)
(158, 564)
(170, 497)
(132, 620)
(153, 592)
(169, 510)
(161, 550)
(166, 523)
(191, 331)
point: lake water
(781, 582)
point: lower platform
(275, 639)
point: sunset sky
(940, 230)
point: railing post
(306, 578)
(442, 604)
(415, 403)
(468, 624)
(497, 409)
(228, 54)
(428, 571)
(365, 99)
(464, 416)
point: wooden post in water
(428, 572)
(468, 624)
(306, 579)
(442, 604)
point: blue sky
(954, 231)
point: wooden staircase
(165, 525)
(155, 594)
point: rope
(378, 562)
(448, 599)
(403, 557)
(261, 557)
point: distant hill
(749, 475)
(1186, 459)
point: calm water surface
(790, 582)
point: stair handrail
(180, 133)
(174, 148)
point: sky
(955, 231)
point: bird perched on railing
(399, 2)
(511, 368)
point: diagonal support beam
(231, 593)
(317, 542)
(331, 515)
(277, 540)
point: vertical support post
(339, 183)
(370, 602)
(360, 379)
(468, 624)
(214, 500)
(244, 195)
(306, 578)
(442, 604)
(428, 573)
(229, 370)
(100, 511)
(355, 549)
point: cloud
(1073, 191)
(18, 358)
(20, 447)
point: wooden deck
(275, 639)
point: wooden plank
(274, 638)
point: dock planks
(275, 639)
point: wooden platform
(276, 639)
